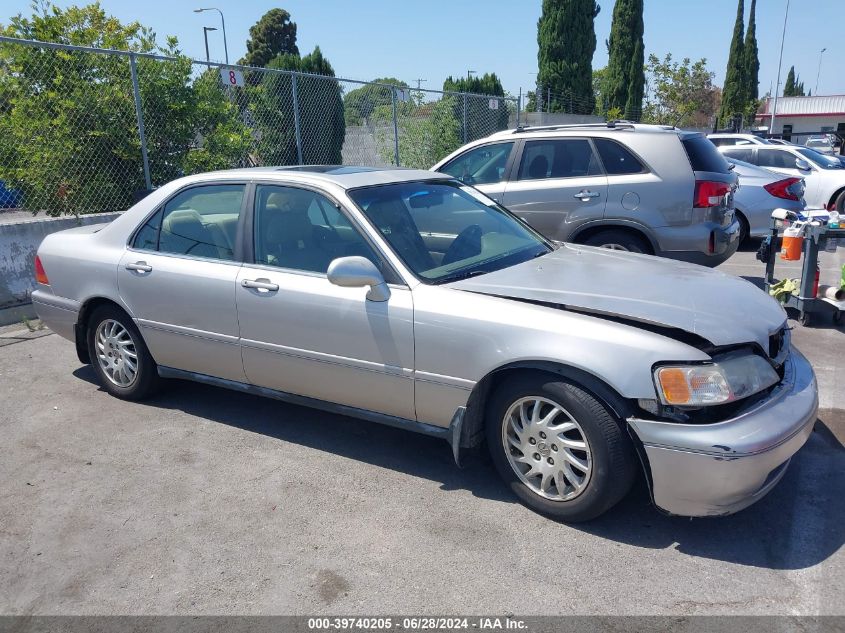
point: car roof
(579, 129)
(344, 176)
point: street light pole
(205, 31)
(469, 73)
(223, 22)
(820, 70)
(780, 63)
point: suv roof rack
(612, 125)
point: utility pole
(205, 31)
(820, 70)
(419, 81)
(223, 22)
(470, 73)
(780, 63)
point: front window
(444, 231)
(825, 162)
(481, 165)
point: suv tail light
(784, 189)
(710, 193)
(40, 275)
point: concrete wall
(19, 240)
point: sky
(431, 39)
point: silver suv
(643, 188)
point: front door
(303, 335)
(557, 185)
(178, 281)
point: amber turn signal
(40, 275)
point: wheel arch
(473, 423)
(835, 195)
(585, 231)
(81, 327)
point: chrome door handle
(140, 267)
(586, 194)
(260, 284)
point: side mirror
(357, 272)
(802, 164)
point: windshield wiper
(461, 276)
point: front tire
(119, 356)
(559, 449)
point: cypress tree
(625, 77)
(733, 94)
(751, 64)
(567, 40)
(636, 84)
(789, 86)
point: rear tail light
(40, 275)
(710, 193)
(785, 189)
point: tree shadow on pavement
(797, 525)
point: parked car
(824, 176)
(729, 139)
(10, 198)
(822, 144)
(760, 192)
(409, 298)
(641, 188)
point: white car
(821, 144)
(824, 176)
(730, 140)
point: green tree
(735, 90)
(751, 65)
(567, 40)
(636, 90)
(680, 94)
(274, 34)
(69, 128)
(427, 133)
(481, 119)
(789, 86)
(625, 76)
(321, 119)
(360, 103)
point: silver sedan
(760, 192)
(408, 298)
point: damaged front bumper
(721, 468)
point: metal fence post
(296, 120)
(395, 127)
(465, 117)
(139, 115)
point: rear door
(178, 280)
(557, 184)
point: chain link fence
(86, 130)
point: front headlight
(731, 378)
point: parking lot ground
(205, 501)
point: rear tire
(839, 205)
(119, 356)
(619, 240)
(572, 465)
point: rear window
(617, 160)
(703, 155)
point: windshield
(825, 162)
(445, 231)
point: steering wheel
(466, 244)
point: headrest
(284, 227)
(539, 167)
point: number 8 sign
(231, 77)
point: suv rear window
(617, 160)
(703, 155)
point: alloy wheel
(116, 353)
(547, 448)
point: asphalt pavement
(205, 501)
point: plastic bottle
(833, 223)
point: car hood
(720, 308)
